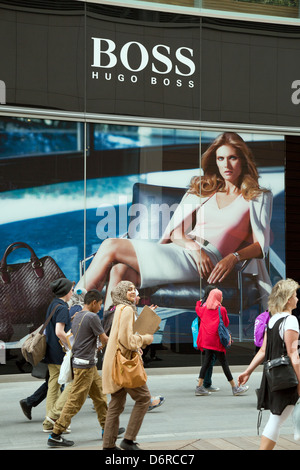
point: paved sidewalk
(184, 422)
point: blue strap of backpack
(220, 317)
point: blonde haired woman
(223, 218)
(282, 326)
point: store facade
(105, 114)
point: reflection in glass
(268, 8)
(136, 178)
(24, 136)
(42, 198)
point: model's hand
(222, 269)
(204, 263)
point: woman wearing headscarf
(123, 297)
(209, 341)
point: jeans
(207, 379)
(39, 395)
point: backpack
(195, 331)
(224, 335)
(260, 327)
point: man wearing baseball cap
(56, 330)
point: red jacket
(208, 337)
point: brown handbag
(25, 291)
(128, 373)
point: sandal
(160, 402)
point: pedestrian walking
(108, 315)
(209, 341)
(281, 338)
(86, 330)
(123, 296)
(56, 332)
(207, 383)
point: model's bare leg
(111, 251)
(120, 272)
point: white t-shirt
(291, 323)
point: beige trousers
(55, 398)
(86, 382)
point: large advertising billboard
(164, 208)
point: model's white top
(260, 218)
(226, 228)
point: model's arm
(226, 265)
(260, 219)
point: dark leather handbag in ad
(25, 292)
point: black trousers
(221, 356)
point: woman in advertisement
(222, 220)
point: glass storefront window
(24, 137)
(42, 214)
(284, 9)
(256, 164)
(175, 71)
(136, 179)
(122, 200)
(272, 8)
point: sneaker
(212, 389)
(26, 408)
(239, 390)
(59, 441)
(51, 426)
(201, 391)
(129, 446)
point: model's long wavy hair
(211, 181)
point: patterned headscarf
(77, 298)
(214, 299)
(119, 294)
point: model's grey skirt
(166, 263)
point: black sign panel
(42, 53)
(250, 73)
(76, 56)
